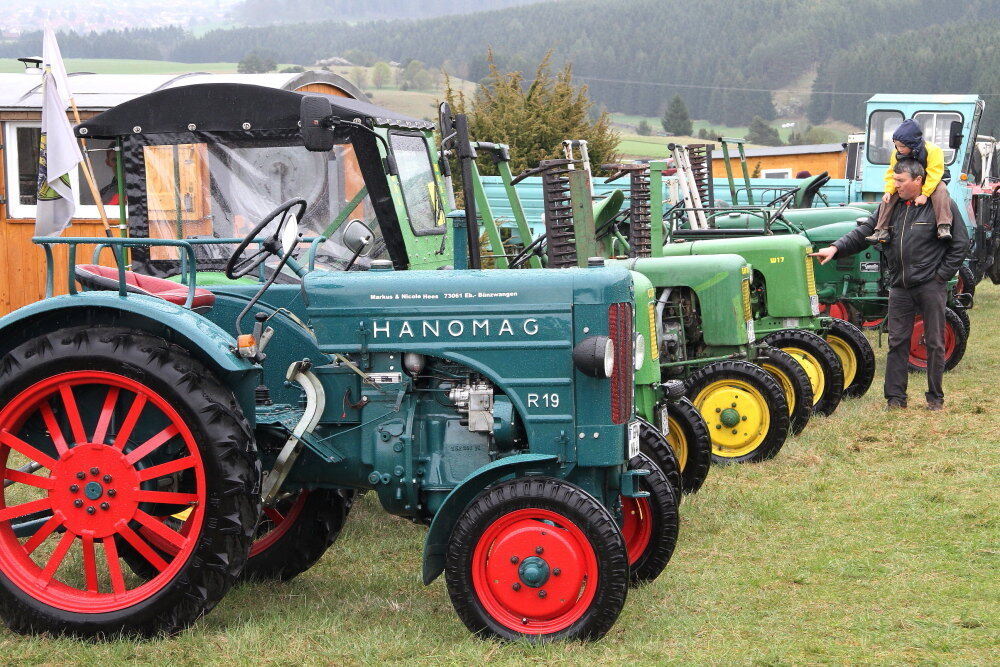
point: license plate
(665, 421)
(633, 439)
(751, 335)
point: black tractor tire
(794, 382)
(688, 436)
(953, 326)
(847, 339)
(653, 444)
(966, 281)
(96, 357)
(963, 314)
(650, 525)
(708, 386)
(309, 523)
(828, 394)
(543, 504)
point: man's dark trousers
(927, 300)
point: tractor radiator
(559, 229)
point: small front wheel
(537, 558)
(687, 434)
(650, 524)
(820, 362)
(794, 382)
(856, 356)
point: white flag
(58, 156)
(53, 62)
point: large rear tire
(745, 410)
(537, 558)
(794, 383)
(819, 361)
(688, 436)
(140, 444)
(955, 341)
(857, 357)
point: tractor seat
(96, 277)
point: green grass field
(872, 538)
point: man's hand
(825, 255)
(920, 200)
(886, 197)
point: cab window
(881, 125)
(936, 126)
(416, 175)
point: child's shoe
(880, 236)
(944, 232)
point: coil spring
(559, 227)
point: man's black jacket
(914, 255)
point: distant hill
(267, 12)
(724, 58)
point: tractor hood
(779, 261)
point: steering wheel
(239, 266)
(783, 197)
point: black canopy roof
(227, 107)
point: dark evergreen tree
(760, 132)
(676, 121)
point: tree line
(722, 58)
(265, 12)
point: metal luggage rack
(188, 268)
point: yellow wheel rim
(786, 385)
(848, 358)
(813, 369)
(677, 441)
(737, 416)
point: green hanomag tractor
(699, 309)
(143, 424)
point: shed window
(22, 143)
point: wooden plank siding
(22, 276)
(814, 163)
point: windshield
(416, 174)
(881, 125)
(218, 190)
(936, 126)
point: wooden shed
(22, 263)
(786, 161)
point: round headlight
(639, 350)
(595, 356)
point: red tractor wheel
(113, 440)
(537, 558)
(842, 311)
(649, 525)
(955, 340)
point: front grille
(622, 383)
(810, 275)
(747, 312)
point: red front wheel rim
(637, 527)
(534, 571)
(117, 467)
(276, 522)
(918, 350)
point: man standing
(918, 266)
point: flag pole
(88, 174)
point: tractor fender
(204, 340)
(436, 543)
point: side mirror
(313, 114)
(955, 135)
(358, 237)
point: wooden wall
(22, 263)
(814, 163)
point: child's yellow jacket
(934, 167)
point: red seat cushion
(94, 276)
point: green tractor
(699, 312)
(853, 288)
(161, 440)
